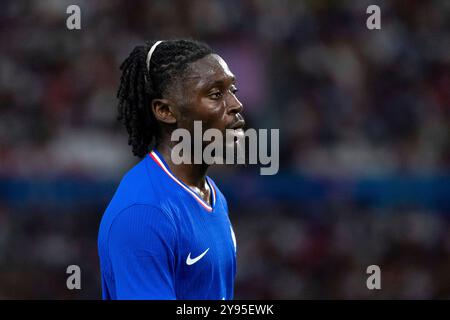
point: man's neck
(192, 175)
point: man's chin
(234, 137)
(234, 145)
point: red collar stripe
(158, 161)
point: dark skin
(205, 92)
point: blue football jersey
(159, 240)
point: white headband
(150, 52)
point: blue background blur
(364, 129)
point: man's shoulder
(137, 173)
(138, 191)
(136, 187)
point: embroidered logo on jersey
(190, 261)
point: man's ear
(163, 109)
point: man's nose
(234, 105)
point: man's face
(209, 95)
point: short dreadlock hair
(139, 86)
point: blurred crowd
(297, 253)
(350, 103)
(287, 252)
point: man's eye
(216, 95)
(234, 90)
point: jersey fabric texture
(159, 240)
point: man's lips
(238, 124)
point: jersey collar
(162, 164)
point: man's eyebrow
(192, 77)
(221, 81)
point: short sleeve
(141, 242)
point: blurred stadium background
(364, 128)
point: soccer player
(166, 232)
